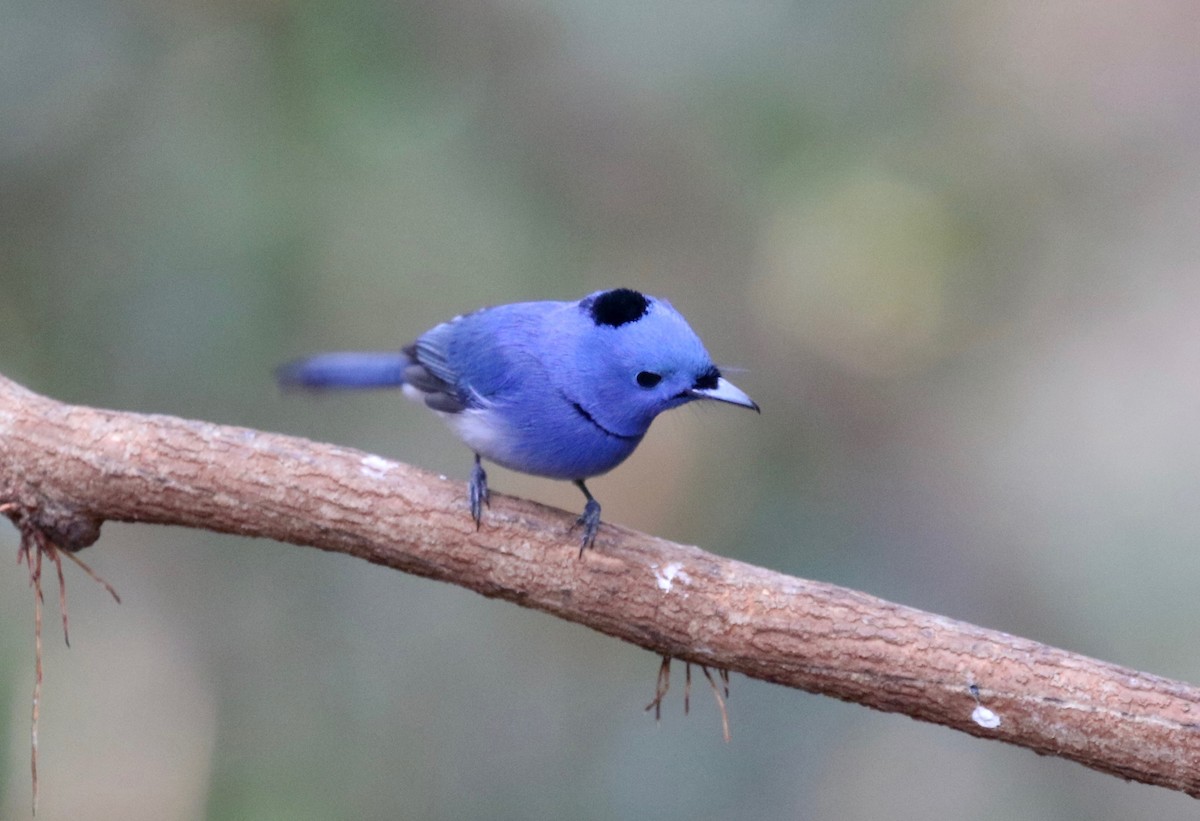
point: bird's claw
(478, 491)
(590, 520)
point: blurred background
(951, 248)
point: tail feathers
(356, 369)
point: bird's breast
(558, 445)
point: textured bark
(66, 469)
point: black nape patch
(617, 307)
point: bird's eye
(648, 379)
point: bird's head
(635, 357)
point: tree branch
(66, 469)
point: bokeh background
(950, 247)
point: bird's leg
(478, 491)
(590, 518)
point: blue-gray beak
(726, 391)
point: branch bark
(66, 469)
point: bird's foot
(590, 520)
(478, 491)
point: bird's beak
(726, 391)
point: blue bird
(564, 390)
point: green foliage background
(953, 245)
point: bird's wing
(481, 358)
(431, 373)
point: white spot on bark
(984, 717)
(376, 467)
(667, 576)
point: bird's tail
(351, 369)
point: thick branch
(65, 469)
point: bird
(563, 390)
